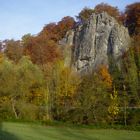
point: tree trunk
(125, 113)
(13, 108)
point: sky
(19, 17)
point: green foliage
(13, 50)
(85, 14)
(133, 116)
(92, 101)
(8, 79)
(131, 77)
(113, 108)
(21, 83)
(62, 89)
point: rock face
(96, 41)
(66, 45)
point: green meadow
(20, 131)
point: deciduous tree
(132, 12)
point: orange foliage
(105, 75)
(50, 32)
(112, 11)
(41, 50)
(65, 25)
(57, 31)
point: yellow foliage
(113, 108)
(4, 99)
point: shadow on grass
(6, 135)
(58, 133)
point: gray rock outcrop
(96, 41)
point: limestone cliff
(96, 41)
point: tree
(32, 90)
(113, 108)
(131, 78)
(50, 32)
(105, 75)
(25, 40)
(13, 50)
(22, 83)
(136, 50)
(92, 100)
(66, 24)
(62, 89)
(8, 82)
(41, 50)
(104, 7)
(57, 31)
(84, 14)
(132, 12)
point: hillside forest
(35, 83)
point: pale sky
(19, 17)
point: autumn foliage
(104, 7)
(56, 31)
(43, 48)
(36, 84)
(132, 13)
(105, 75)
(66, 24)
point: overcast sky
(19, 17)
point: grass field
(21, 131)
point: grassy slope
(20, 131)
